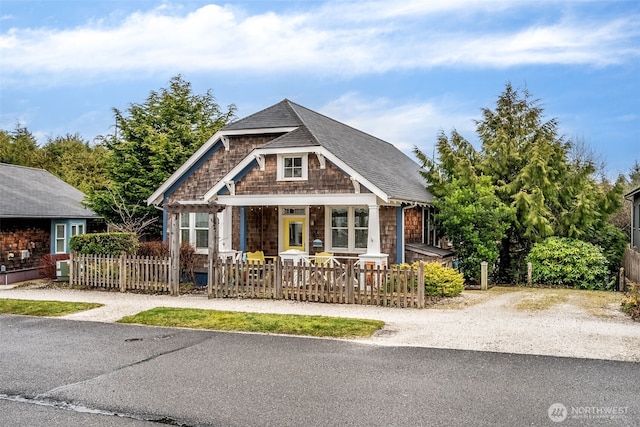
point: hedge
(104, 243)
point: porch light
(317, 243)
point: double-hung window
(61, 238)
(292, 167)
(194, 229)
(349, 228)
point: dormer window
(292, 167)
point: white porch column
(373, 258)
(374, 254)
(224, 227)
(373, 232)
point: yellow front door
(294, 232)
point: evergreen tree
(75, 161)
(527, 164)
(152, 140)
(18, 147)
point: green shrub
(104, 243)
(558, 261)
(438, 280)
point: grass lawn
(43, 308)
(316, 326)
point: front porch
(298, 232)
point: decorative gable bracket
(321, 160)
(260, 159)
(225, 142)
(356, 185)
(231, 186)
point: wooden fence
(341, 284)
(124, 272)
(631, 264)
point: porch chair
(325, 259)
(255, 261)
(256, 257)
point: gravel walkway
(484, 321)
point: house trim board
(186, 168)
(250, 162)
(342, 199)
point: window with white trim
(194, 229)
(292, 167)
(349, 228)
(61, 238)
(77, 229)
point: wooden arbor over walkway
(174, 209)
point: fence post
(278, 278)
(484, 276)
(211, 277)
(420, 285)
(71, 269)
(529, 274)
(349, 284)
(621, 280)
(123, 273)
(174, 254)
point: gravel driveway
(512, 320)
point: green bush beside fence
(438, 280)
(104, 243)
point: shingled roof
(381, 163)
(35, 193)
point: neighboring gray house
(634, 198)
(38, 214)
(296, 181)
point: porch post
(225, 241)
(213, 251)
(243, 230)
(373, 254)
(373, 231)
(174, 253)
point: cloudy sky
(401, 70)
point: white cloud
(336, 39)
(404, 125)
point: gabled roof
(380, 163)
(35, 193)
(276, 116)
(630, 194)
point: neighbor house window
(194, 229)
(349, 229)
(61, 238)
(292, 167)
(77, 229)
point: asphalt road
(71, 373)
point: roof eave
(157, 197)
